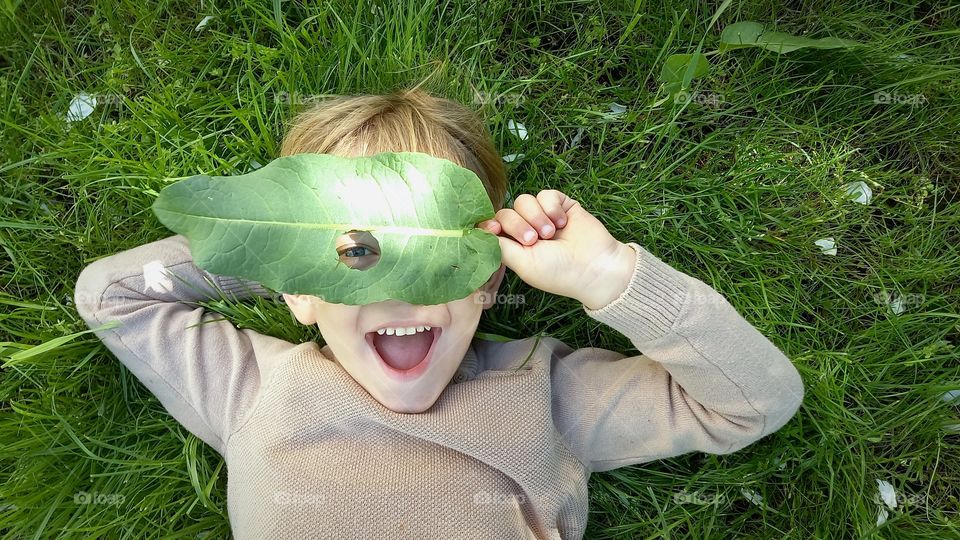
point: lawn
(816, 189)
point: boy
(361, 438)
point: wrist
(612, 278)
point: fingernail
(546, 229)
(529, 235)
(561, 222)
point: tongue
(403, 352)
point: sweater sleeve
(706, 379)
(202, 369)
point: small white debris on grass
(755, 498)
(896, 304)
(951, 397)
(81, 106)
(887, 494)
(617, 109)
(203, 23)
(577, 138)
(828, 246)
(859, 192)
(889, 497)
(512, 157)
(517, 129)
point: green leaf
(676, 66)
(754, 34)
(741, 34)
(282, 224)
(780, 42)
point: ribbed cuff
(649, 306)
(243, 288)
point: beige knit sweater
(505, 452)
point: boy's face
(425, 362)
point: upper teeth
(401, 331)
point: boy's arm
(204, 373)
(706, 380)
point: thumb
(513, 255)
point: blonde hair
(409, 120)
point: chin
(408, 407)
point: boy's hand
(576, 257)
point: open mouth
(404, 357)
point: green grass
(734, 193)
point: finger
(513, 256)
(490, 225)
(529, 209)
(552, 201)
(517, 227)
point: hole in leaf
(359, 250)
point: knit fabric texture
(505, 452)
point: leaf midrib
(413, 231)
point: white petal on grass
(512, 157)
(203, 23)
(896, 304)
(517, 129)
(755, 498)
(577, 138)
(951, 397)
(617, 109)
(859, 192)
(887, 494)
(81, 106)
(828, 246)
(905, 58)
(882, 516)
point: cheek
(466, 311)
(337, 322)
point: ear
(302, 308)
(490, 288)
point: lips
(410, 355)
